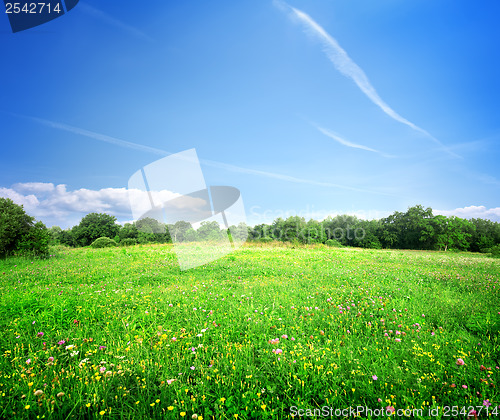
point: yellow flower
(137, 402)
(263, 406)
(183, 413)
(222, 400)
(88, 405)
(152, 404)
(157, 401)
(27, 407)
(236, 416)
(170, 408)
(102, 412)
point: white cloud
(347, 143)
(110, 20)
(233, 168)
(473, 212)
(346, 66)
(55, 205)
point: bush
(495, 251)
(128, 242)
(103, 242)
(19, 232)
(333, 243)
(266, 240)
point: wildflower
(174, 339)
(192, 368)
(460, 362)
(486, 403)
(38, 392)
(222, 400)
(102, 412)
(70, 347)
(170, 408)
(374, 377)
(28, 361)
(40, 334)
(102, 347)
(102, 369)
(379, 399)
(183, 413)
(263, 406)
(390, 409)
(27, 407)
(453, 386)
(60, 394)
(169, 381)
(284, 336)
(277, 351)
(51, 359)
(61, 342)
(464, 386)
(397, 339)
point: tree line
(417, 228)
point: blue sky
(310, 107)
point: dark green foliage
(128, 242)
(93, 226)
(103, 242)
(333, 243)
(19, 232)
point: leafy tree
(452, 232)
(55, 235)
(292, 229)
(18, 231)
(485, 236)
(128, 231)
(94, 226)
(178, 230)
(209, 231)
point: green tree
(19, 232)
(209, 231)
(93, 226)
(452, 233)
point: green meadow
(270, 331)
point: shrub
(266, 240)
(128, 242)
(103, 242)
(333, 243)
(495, 251)
(19, 232)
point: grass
(123, 333)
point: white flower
(70, 347)
(74, 353)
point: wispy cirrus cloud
(347, 143)
(221, 165)
(347, 67)
(110, 20)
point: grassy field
(262, 333)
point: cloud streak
(347, 143)
(211, 163)
(347, 67)
(110, 20)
